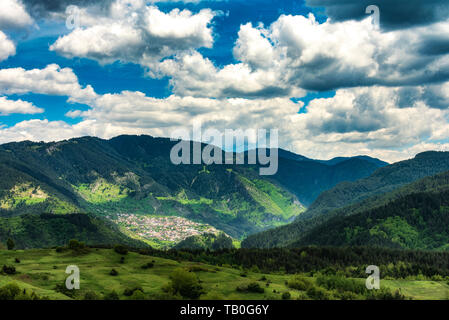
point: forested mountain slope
(351, 197)
(128, 177)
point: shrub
(299, 283)
(318, 293)
(385, 294)
(113, 295)
(120, 249)
(255, 269)
(90, 295)
(341, 284)
(437, 277)
(130, 291)
(251, 287)
(148, 265)
(9, 269)
(61, 288)
(137, 295)
(9, 291)
(186, 284)
(77, 246)
(286, 296)
(113, 272)
(13, 292)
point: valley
(133, 176)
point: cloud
(44, 130)
(44, 8)
(394, 14)
(7, 47)
(8, 107)
(193, 75)
(52, 80)
(13, 15)
(297, 53)
(373, 120)
(130, 31)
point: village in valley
(169, 228)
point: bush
(186, 284)
(120, 249)
(318, 293)
(113, 295)
(9, 269)
(137, 295)
(61, 288)
(341, 284)
(130, 291)
(90, 295)
(299, 283)
(251, 287)
(385, 294)
(148, 265)
(9, 291)
(437, 277)
(113, 272)
(286, 296)
(13, 292)
(77, 246)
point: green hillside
(48, 230)
(384, 180)
(328, 274)
(130, 177)
(414, 217)
(347, 198)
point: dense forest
(383, 186)
(416, 221)
(349, 261)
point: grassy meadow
(42, 270)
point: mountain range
(131, 182)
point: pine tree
(10, 244)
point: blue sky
(33, 52)
(333, 82)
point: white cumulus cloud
(52, 80)
(131, 31)
(8, 107)
(13, 15)
(7, 47)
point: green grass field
(41, 270)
